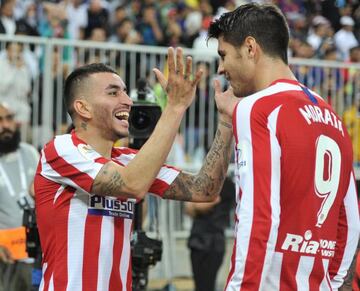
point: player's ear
(251, 46)
(82, 108)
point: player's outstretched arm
(207, 184)
(135, 179)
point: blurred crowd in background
(320, 29)
(323, 29)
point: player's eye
(112, 93)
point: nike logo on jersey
(313, 114)
(304, 244)
(110, 206)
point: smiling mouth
(122, 115)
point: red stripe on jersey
(317, 275)
(115, 280)
(116, 152)
(158, 187)
(289, 267)
(62, 207)
(91, 251)
(101, 160)
(261, 223)
(231, 272)
(129, 277)
(75, 139)
(65, 169)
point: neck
(95, 140)
(271, 70)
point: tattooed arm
(207, 184)
(347, 286)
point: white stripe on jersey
(324, 286)
(304, 270)
(352, 217)
(125, 255)
(244, 207)
(274, 89)
(58, 193)
(51, 283)
(275, 196)
(105, 261)
(48, 172)
(42, 283)
(273, 278)
(67, 150)
(75, 247)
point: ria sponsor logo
(304, 245)
(109, 206)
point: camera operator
(86, 189)
(17, 168)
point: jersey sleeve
(163, 180)
(347, 237)
(68, 164)
(258, 164)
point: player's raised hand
(225, 101)
(180, 86)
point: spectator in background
(207, 237)
(77, 17)
(319, 32)
(28, 24)
(18, 162)
(54, 24)
(298, 25)
(345, 38)
(7, 19)
(98, 17)
(352, 75)
(98, 34)
(15, 82)
(351, 118)
(126, 33)
(149, 27)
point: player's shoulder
(60, 143)
(118, 151)
(280, 89)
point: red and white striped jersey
(85, 238)
(297, 214)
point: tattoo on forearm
(209, 180)
(180, 189)
(228, 125)
(114, 182)
(350, 275)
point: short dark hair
(264, 22)
(74, 80)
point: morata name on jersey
(314, 114)
(110, 206)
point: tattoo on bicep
(109, 182)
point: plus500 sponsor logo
(304, 245)
(106, 203)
